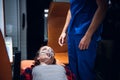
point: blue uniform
(81, 62)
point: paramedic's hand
(84, 43)
(62, 39)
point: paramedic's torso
(82, 12)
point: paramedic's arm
(62, 37)
(96, 21)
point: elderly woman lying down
(46, 67)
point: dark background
(110, 68)
(35, 22)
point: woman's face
(46, 55)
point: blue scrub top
(82, 12)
